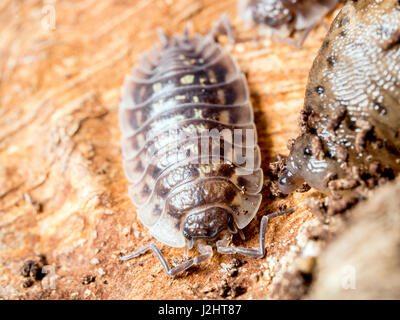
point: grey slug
(350, 122)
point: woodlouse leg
(298, 44)
(256, 253)
(206, 252)
(291, 42)
(223, 23)
(241, 234)
(304, 36)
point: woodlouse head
(207, 224)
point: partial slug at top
(350, 123)
(189, 147)
(284, 17)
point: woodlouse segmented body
(187, 86)
(286, 16)
(192, 179)
(350, 123)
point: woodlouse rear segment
(182, 109)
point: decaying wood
(63, 194)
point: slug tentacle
(289, 182)
(350, 122)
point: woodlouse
(350, 122)
(284, 17)
(178, 94)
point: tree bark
(63, 195)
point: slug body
(176, 97)
(350, 123)
(286, 16)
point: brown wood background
(62, 189)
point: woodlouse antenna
(222, 245)
(206, 253)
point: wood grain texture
(62, 189)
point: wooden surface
(63, 193)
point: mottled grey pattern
(187, 86)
